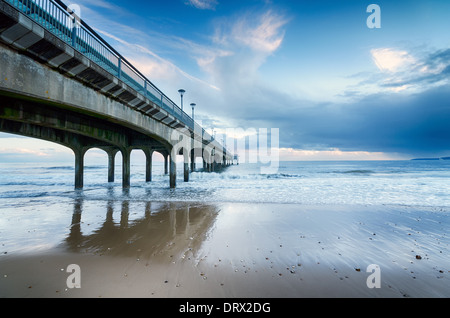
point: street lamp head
(193, 105)
(181, 91)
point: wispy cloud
(265, 35)
(203, 4)
(240, 45)
(151, 64)
(23, 151)
(262, 32)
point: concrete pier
(50, 90)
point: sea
(39, 205)
(408, 182)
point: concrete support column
(126, 170)
(186, 164)
(166, 164)
(186, 171)
(79, 167)
(111, 164)
(173, 172)
(192, 161)
(148, 164)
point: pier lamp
(193, 106)
(181, 91)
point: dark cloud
(403, 122)
(417, 124)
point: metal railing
(62, 21)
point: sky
(334, 87)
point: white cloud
(203, 4)
(260, 32)
(388, 59)
(265, 36)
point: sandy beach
(234, 250)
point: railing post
(74, 33)
(119, 66)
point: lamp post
(193, 106)
(181, 91)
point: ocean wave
(359, 171)
(70, 168)
(356, 172)
(21, 194)
(60, 168)
(251, 176)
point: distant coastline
(441, 158)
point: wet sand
(233, 250)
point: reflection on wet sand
(179, 227)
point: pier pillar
(166, 164)
(186, 172)
(79, 167)
(173, 171)
(186, 165)
(126, 170)
(192, 161)
(111, 163)
(148, 164)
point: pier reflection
(163, 226)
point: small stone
(418, 257)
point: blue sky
(335, 88)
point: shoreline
(239, 250)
